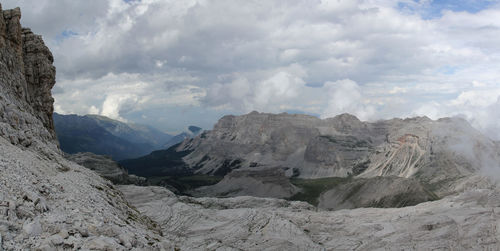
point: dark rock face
(26, 82)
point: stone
(102, 243)
(56, 239)
(64, 233)
(33, 228)
(126, 240)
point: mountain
(159, 163)
(192, 131)
(136, 133)
(440, 155)
(104, 136)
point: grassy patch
(312, 188)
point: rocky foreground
(50, 203)
(469, 221)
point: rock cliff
(26, 82)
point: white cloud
(270, 92)
(93, 110)
(116, 104)
(345, 96)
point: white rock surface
(468, 221)
(81, 206)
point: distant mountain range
(104, 136)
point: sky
(174, 63)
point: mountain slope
(135, 133)
(104, 136)
(84, 134)
(191, 132)
(158, 163)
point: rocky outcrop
(26, 82)
(50, 203)
(106, 167)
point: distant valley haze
(171, 64)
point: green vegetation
(312, 188)
(184, 183)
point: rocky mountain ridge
(443, 155)
(439, 153)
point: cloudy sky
(174, 63)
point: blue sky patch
(65, 34)
(435, 8)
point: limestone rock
(26, 81)
(438, 153)
(105, 167)
(465, 222)
(33, 228)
